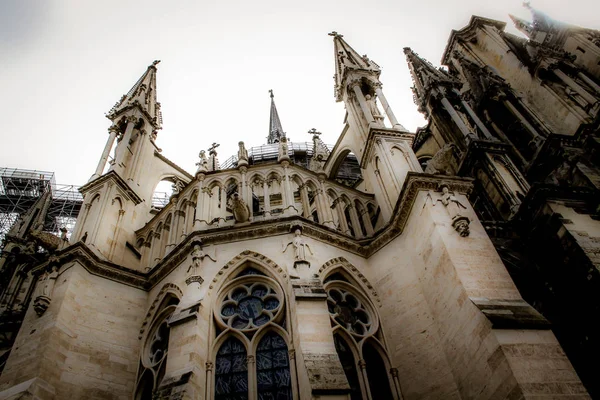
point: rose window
(250, 306)
(348, 311)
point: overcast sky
(65, 63)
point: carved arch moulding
(342, 263)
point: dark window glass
(231, 371)
(349, 365)
(379, 382)
(273, 369)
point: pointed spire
(33, 218)
(522, 25)
(143, 96)
(541, 21)
(424, 74)
(275, 130)
(347, 59)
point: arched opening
(162, 193)
(349, 365)
(377, 375)
(231, 371)
(273, 368)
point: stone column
(113, 130)
(325, 217)
(366, 390)
(155, 253)
(474, 117)
(180, 228)
(200, 220)
(115, 238)
(590, 82)
(364, 214)
(223, 208)
(388, 110)
(338, 204)
(455, 118)
(385, 157)
(363, 103)
(266, 199)
(355, 221)
(290, 207)
(575, 86)
(305, 202)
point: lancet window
(359, 340)
(153, 357)
(252, 357)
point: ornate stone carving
(46, 287)
(242, 155)
(459, 222)
(441, 162)
(198, 256)
(241, 211)
(300, 247)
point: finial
(335, 34)
(213, 147)
(271, 93)
(314, 132)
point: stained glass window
(347, 310)
(376, 373)
(250, 306)
(273, 368)
(231, 371)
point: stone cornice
(375, 132)
(112, 176)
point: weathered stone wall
(85, 345)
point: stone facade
(290, 277)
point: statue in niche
(459, 222)
(241, 211)
(299, 247)
(374, 109)
(47, 282)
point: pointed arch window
(358, 340)
(252, 306)
(231, 371)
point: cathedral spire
(33, 218)
(275, 130)
(347, 59)
(142, 96)
(424, 74)
(522, 25)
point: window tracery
(252, 305)
(357, 338)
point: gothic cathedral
(460, 261)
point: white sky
(65, 63)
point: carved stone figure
(177, 186)
(202, 163)
(198, 256)
(242, 154)
(459, 222)
(441, 162)
(241, 211)
(47, 282)
(374, 109)
(299, 246)
(283, 149)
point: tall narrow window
(273, 368)
(231, 371)
(349, 366)
(376, 373)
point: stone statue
(198, 255)
(177, 186)
(203, 162)
(441, 162)
(283, 150)
(299, 246)
(242, 153)
(63, 234)
(459, 222)
(374, 109)
(47, 282)
(241, 211)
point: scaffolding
(19, 190)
